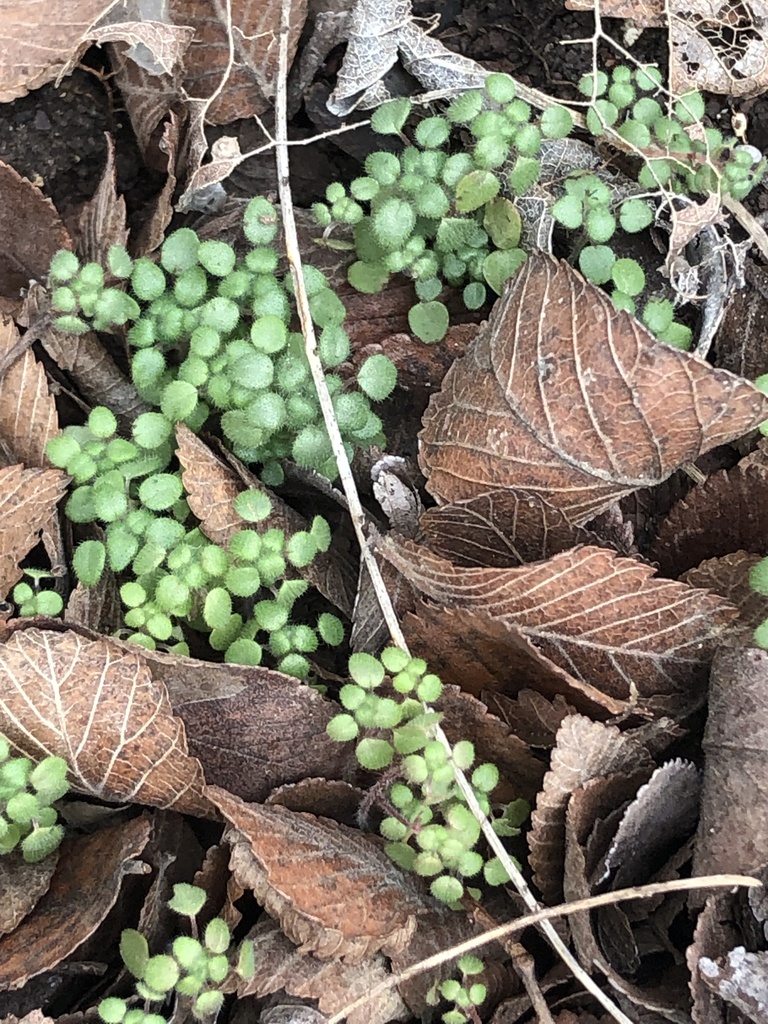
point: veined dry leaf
(718, 46)
(531, 716)
(728, 512)
(28, 418)
(28, 499)
(39, 38)
(101, 222)
(562, 395)
(22, 885)
(97, 706)
(604, 619)
(584, 750)
(271, 733)
(729, 577)
(499, 529)
(31, 229)
(333, 889)
(63, 919)
(333, 983)
(483, 655)
(211, 489)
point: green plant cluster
(430, 828)
(464, 994)
(679, 153)
(32, 599)
(211, 332)
(193, 970)
(28, 819)
(447, 218)
(238, 596)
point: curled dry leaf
(101, 222)
(28, 500)
(28, 418)
(562, 395)
(62, 920)
(604, 619)
(211, 490)
(332, 888)
(728, 512)
(328, 798)
(333, 983)
(98, 707)
(22, 885)
(585, 750)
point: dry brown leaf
(101, 223)
(333, 983)
(63, 919)
(327, 798)
(97, 706)
(28, 500)
(31, 230)
(499, 529)
(484, 655)
(22, 885)
(39, 38)
(728, 512)
(563, 396)
(584, 750)
(271, 733)
(28, 418)
(160, 212)
(645, 13)
(166, 43)
(97, 608)
(604, 619)
(531, 716)
(211, 489)
(729, 577)
(332, 888)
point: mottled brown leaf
(97, 706)
(83, 890)
(28, 500)
(22, 885)
(327, 798)
(333, 983)
(269, 734)
(157, 45)
(28, 418)
(604, 619)
(728, 512)
(729, 577)
(332, 888)
(563, 396)
(30, 228)
(484, 655)
(101, 222)
(742, 980)
(585, 750)
(531, 716)
(499, 529)
(211, 489)
(647, 13)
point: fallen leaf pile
(579, 595)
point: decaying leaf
(733, 828)
(62, 920)
(585, 750)
(97, 706)
(101, 222)
(729, 577)
(22, 885)
(604, 619)
(565, 397)
(332, 888)
(271, 733)
(28, 499)
(28, 418)
(718, 46)
(742, 980)
(333, 983)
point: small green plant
(449, 218)
(194, 969)
(429, 827)
(32, 599)
(28, 819)
(465, 994)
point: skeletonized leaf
(605, 619)
(28, 499)
(63, 919)
(333, 889)
(98, 707)
(562, 395)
